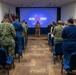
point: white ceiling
(38, 3)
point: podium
(37, 30)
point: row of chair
(6, 61)
(18, 49)
(58, 52)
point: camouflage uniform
(7, 34)
(24, 33)
(26, 27)
(58, 33)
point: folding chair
(57, 51)
(71, 66)
(6, 61)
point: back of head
(65, 23)
(23, 21)
(16, 17)
(6, 18)
(71, 21)
(60, 22)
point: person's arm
(25, 29)
(54, 31)
(21, 28)
(64, 33)
(51, 31)
(12, 30)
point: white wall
(4, 8)
(68, 11)
(0, 12)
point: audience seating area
(57, 51)
(71, 66)
(6, 62)
(58, 54)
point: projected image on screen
(44, 15)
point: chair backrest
(3, 57)
(58, 48)
(73, 61)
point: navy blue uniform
(19, 29)
(69, 41)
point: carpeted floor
(37, 60)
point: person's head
(74, 21)
(23, 21)
(6, 18)
(17, 18)
(59, 22)
(70, 21)
(65, 23)
(55, 24)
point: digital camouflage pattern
(58, 33)
(24, 33)
(7, 35)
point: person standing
(57, 32)
(69, 40)
(24, 33)
(49, 29)
(19, 29)
(7, 35)
(37, 29)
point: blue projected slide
(44, 15)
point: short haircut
(23, 21)
(16, 17)
(71, 20)
(6, 16)
(59, 22)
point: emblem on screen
(37, 18)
